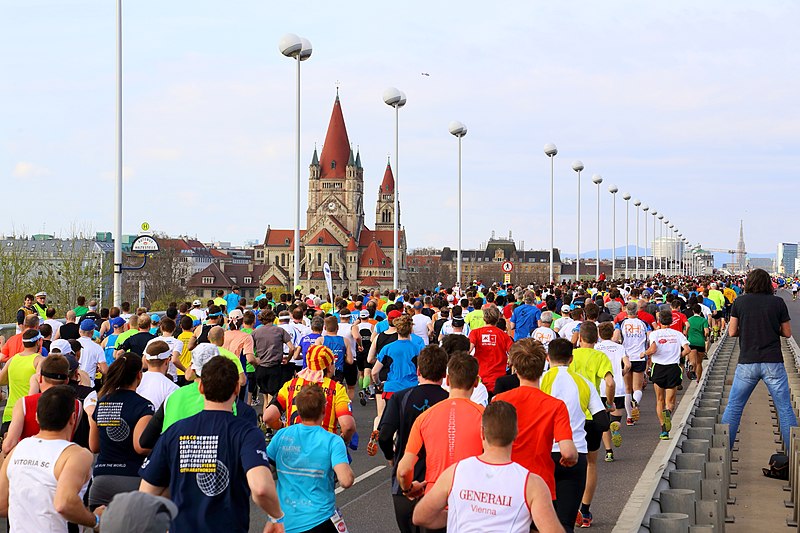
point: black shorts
(361, 360)
(699, 349)
(638, 366)
(252, 384)
(4, 428)
(349, 376)
(666, 376)
(718, 315)
(619, 402)
(269, 379)
(594, 437)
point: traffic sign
(506, 279)
(145, 226)
(507, 266)
(144, 244)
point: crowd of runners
(492, 404)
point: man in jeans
(759, 319)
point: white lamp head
(305, 52)
(626, 197)
(654, 212)
(457, 128)
(392, 96)
(550, 150)
(645, 208)
(660, 217)
(671, 226)
(637, 202)
(577, 166)
(613, 189)
(666, 221)
(597, 179)
(402, 101)
(290, 45)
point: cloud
(26, 170)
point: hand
(417, 490)
(568, 461)
(273, 528)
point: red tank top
(30, 426)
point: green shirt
(591, 364)
(249, 368)
(81, 310)
(227, 353)
(20, 370)
(696, 334)
(124, 335)
(183, 403)
(475, 319)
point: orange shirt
(541, 419)
(450, 431)
(337, 401)
(12, 347)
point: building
(786, 260)
(336, 231)
(765, 263)
(703, 262)
(741, 251)
(224, 276)
(669, 248)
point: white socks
(628, 405)
(637, 396)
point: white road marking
(363, 476)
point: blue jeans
(745, 380)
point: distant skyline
(690, 107)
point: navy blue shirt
(116, 416)
(204, 460)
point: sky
(690, 107)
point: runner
(544, 333)
(622, 366)
(155, 386)
(697, 335)
(18, 371)
(633, 332)
(490, 346)
(524, 318)
(213, 462)
(364, 327)
(489, 492)
(307, 457)
(664, 356)
(268, 343)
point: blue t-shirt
(710, 304)
(400, 357)
(116, 416)
(232, 301)
(305, 477)
(336, 344)
(380, 315)
(307, 342)
(526, 319)
(381, 326)
(204, 460)
(109, 349)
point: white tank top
(486, 498)
(33, 486)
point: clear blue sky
(689, 106)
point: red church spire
(387, 185)
(336, 150)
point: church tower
(384, 209)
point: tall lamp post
(117, 297)
(661, 242)
(459, 130)
(597, 179)
(577, 166)
(298, 49)
(627, 198)
(396, 99)
(672, 253)
(653, 250)
(636, 204)
(645, 208)
(613, 190)
(550, 151)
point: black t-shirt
(760, 317)
(137, 343)
(116, 416)
(69, 331)
(401, 411)
(506, 383)
(428, 312)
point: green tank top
(20, 370)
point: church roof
(281, 237)
(369, 281)
(273, 281)
(352, 246)
(323, 236)
(385, 236)
(337, 146)
(387, 185)
(315, 159)
(374, 253)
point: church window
(371, 262)
(286, 241)
(319, 259)
(247, 280)
(383, 262)
(319, 240)
(330, 259)
(380, 242)
(333, 164)
(283, 259)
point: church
(336, 230)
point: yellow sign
(145, 226)
(507, 278)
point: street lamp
(636, 204)
(671, 253)
(298, 49)
(653, 251)
(660, 241)
(550, 151)
(396, 99)
(613, 190)
(577, 166)
(597, 179)
(117, 298)
(645, 208)
(459, 130)
(627, 198)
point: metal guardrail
(791, 360)
(685, 485)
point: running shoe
(254, 402)
(630, 422)
(667, 420)
(362, 397)
(584, 519)
(372, 445)
(616, 436)
(609, 458)
(664, 435)
(635, 410)
(680, 387)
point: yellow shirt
(591, 364)
(186, 355)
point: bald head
(216, 335)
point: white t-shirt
(91, 354)
(480, 394)
(569, 329)
(155, 387)
(420, 327)
(669, 343)
(705, 310)
(558, 324)
(447, 329)
(544, 335)
(53, 323)
(566, 389)
(198, 313)
(346, 331)
(615, 353)
(634, 338)
(174, 346)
